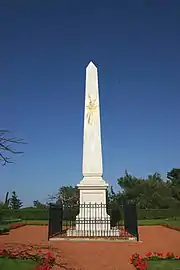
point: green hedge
(157, 213)
(43, 214)
(24, 214)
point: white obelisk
(92, 167)
(92, 187)
(92, 149)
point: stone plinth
(93, 219)
(91, 233)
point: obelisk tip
(91, 64)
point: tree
(152, 192)
(174, 182)
(7, 200)
(174, 176)
(130, 187)
(39, 205)
(6, 147)
(68, 195)
(15, 202)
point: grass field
(145, 222)
(164, 265)
(149, 222)
(9, 264)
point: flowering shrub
(4, 230)
(16, 225)
(37, 223)
(125, 234)
(172, 227)
(13, 226)
(45, 260)
(141, 263)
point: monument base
(93, 219)
(93, 190)
(96, 233)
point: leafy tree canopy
(152, 192)
(39, 205)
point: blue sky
(44, 49)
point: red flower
(45, 261)
(149, 254)
(169, 255)
(49, 254)
(141, 263)
(16, 225)
(177, 228)
(2, 251)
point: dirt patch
(97, 255)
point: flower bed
(125, 234)
(36, 223)
(44, 260)
(4, 230)
(176, 228)
(141, 263)
(16, 225)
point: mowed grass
(16, 264)
(164, 265)
(144, 222)
(151, 222)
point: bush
(31, 213)
(157, 213)
(10, 221)
(16, 226)
(4, 230)
(28, 213)
(169, 226)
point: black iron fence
(93, 220)
(55, 220)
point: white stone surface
(95, 233)
(92, 187)
(92, 150)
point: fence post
(130, 219)
(49, 222)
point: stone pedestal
(93, 219)
(93, 214)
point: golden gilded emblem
(91, 109)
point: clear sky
(44, 49)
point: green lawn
(37, 220)
(159, 222)
(140, 222)
(10, 264)
(164, 265)
(147, 222)
(4, 226)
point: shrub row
(4, 230)
(158, 213)
(43, 214)
(25, 214)
(169, 226)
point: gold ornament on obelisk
(91, 109)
